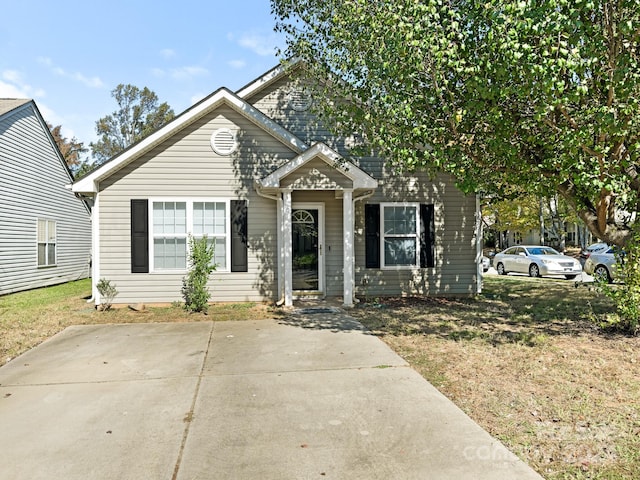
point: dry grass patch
(29, 318)
(526, 363)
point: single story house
(45, 230)
(291, 212)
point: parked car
(599, 247)
(602, 265)
(537, 261)
(486, 263)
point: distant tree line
(139, 113)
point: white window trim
(415, 205)
(47, 243)
(189, 201)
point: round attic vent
(300, 99)
(223, 141)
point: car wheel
(570, 277)
(500, 269)
(602, 273)
(534, 270)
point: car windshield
(542, 251)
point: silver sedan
(602, 265)
(537, 261)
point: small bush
(108, 292)
(194, 285)
(626, 293)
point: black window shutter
(427, 236)
(239, 240)
(139, 236)
(372, 235)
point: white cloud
(263, 44)
(92, 82)
(11, 91)
(237, 64)
(12, 76)
(15, 87)
(167, 53)
(180, 73)
(186, 73)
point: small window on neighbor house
(224, 142)
(46, 243)
(300, 99)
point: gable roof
(223, 96)
(359, 178)
(8, 104)
(268, 78)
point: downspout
(479, 224)
(277, 199)
(90, 203)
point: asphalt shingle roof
(8, 104)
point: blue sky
(69, 55)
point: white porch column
(280, 264)
(347, 227)
(288, 261)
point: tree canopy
(139, 113)
(71, 149)
(540, 96)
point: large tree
(542, 96)
(71, 149)
(139, 113)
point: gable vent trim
(300, 100)
(224, 142)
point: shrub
(194, 285)
(626, 293)
(108, 292)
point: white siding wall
(32, 186)
(186, 166)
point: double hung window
(173, 222)
(400, 235)
(46, 243)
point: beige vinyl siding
(316, 175)
(186, 166)
(455, 271)
(32, 187)
(273, 101)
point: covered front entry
(318, 171)
(307, 249)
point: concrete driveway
(311, 397)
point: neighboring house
(291, 212)
(576, 235)
(45, 230)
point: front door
(307, 244)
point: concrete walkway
(311, 397)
